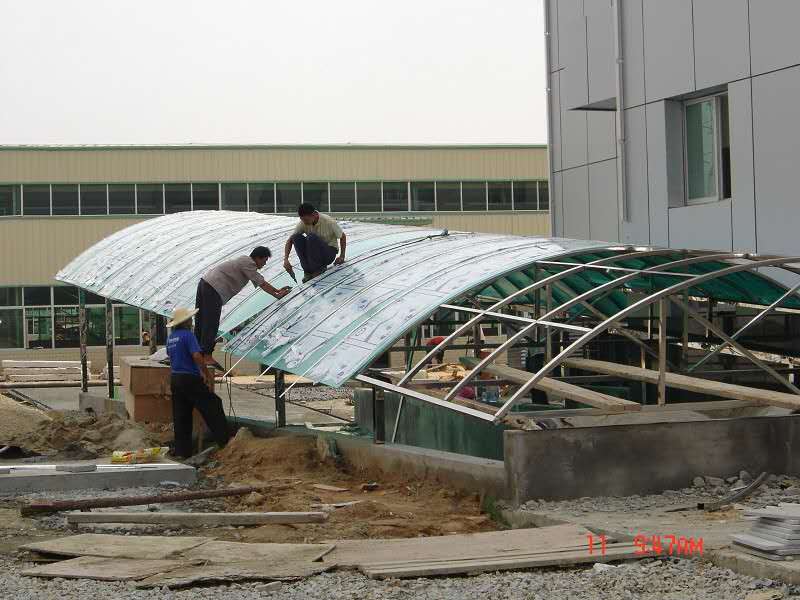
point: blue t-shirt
(181, 344)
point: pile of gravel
(649, 579)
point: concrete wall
(639, 459)
(673, 50)
(268, 163)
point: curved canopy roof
(395, 277)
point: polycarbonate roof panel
(338, 324)
(156, 264)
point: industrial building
(673, 123)
(55, 202)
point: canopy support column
(82, 332)
(110, 346)
(662, 351)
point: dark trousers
(206, 323)
(190, 392)
(314, 253)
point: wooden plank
(501, 563)
(226, 552)
(254, 570)
(104, 569)
(33, 364)
(714, 405)
(691, 384)
(187, 519)
(117, 546)
(329, 488)
(559, 388)
(27, 371)
(45, 377)
(352, 553)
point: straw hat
(181, 314)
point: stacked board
(775, 534)
(42, 370)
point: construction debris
(775, 534)
(329, 488)
(104, 569)
(18, 420)
(42, 370)
(191, 519)
(116, 546)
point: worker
(437, 358)
(221, 284)
(317, 239)
(190, 387)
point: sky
(267, 72)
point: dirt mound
(79, 436)
(17, 419)
(291, 466)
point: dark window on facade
(37, 296)
(121, 199)
(474, 195)
(287, 197)
(499, 193)
(525, 195)
(36, 200)
(149, 199)
(10, 200)
(395, 196)
(422, 196)
(65, 294)
(11, 335)
(39, 326)
(316, 194)
(177, 198)
(205, 196)
(10, 296)
(96, 326)
(448, 195)
(343, 196)
(126, 325)
(234, 196)
(368, 196)
(93, 199)
(66, 327)
(65, 199)
(262, 197)
(544, 196)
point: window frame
(719, 175)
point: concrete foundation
(639, 459)
(43, 481)
(100, 405)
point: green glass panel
(701, 160)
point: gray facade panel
(776, 133)
(633, 52)
(574, 151)
(555, 120)
(574, 78)
(657, 175)
(603, 206)
(552, 27)
(773, 34)
(668, 51)
(703, 226)
(575, 190)
(722, 53)
(601, 135)
(600, 50)
(636, 230)
(557, 204)
(742, 182)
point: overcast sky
(305, 71)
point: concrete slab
(787, 571)
(105, 477)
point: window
(448, 195)
(316, 194)
(499, 195)
(525, 195)
(37, 296)
(343, 197)
(10, 200)
(205, 196)
(67, 327)
(395, 196)
(423, 196)
(234, 196)
(368, 196)
(262, 197)
(93, 199)
(474, 195)
(65, 199)
(11, 328)
(36, 200)
(10, 296)
(149, 199)
(126, 325)
(544, 196)
(65, 294)
(287, 197)
(39, 326)
(707, 149)
(96, 326)
(122, 199)
(177, 197)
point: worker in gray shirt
(221, 284)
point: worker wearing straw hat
(189, 386)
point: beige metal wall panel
(32, 250)
(521, 223)
(142, 165)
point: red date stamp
(658, 545)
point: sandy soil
(291, 465)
